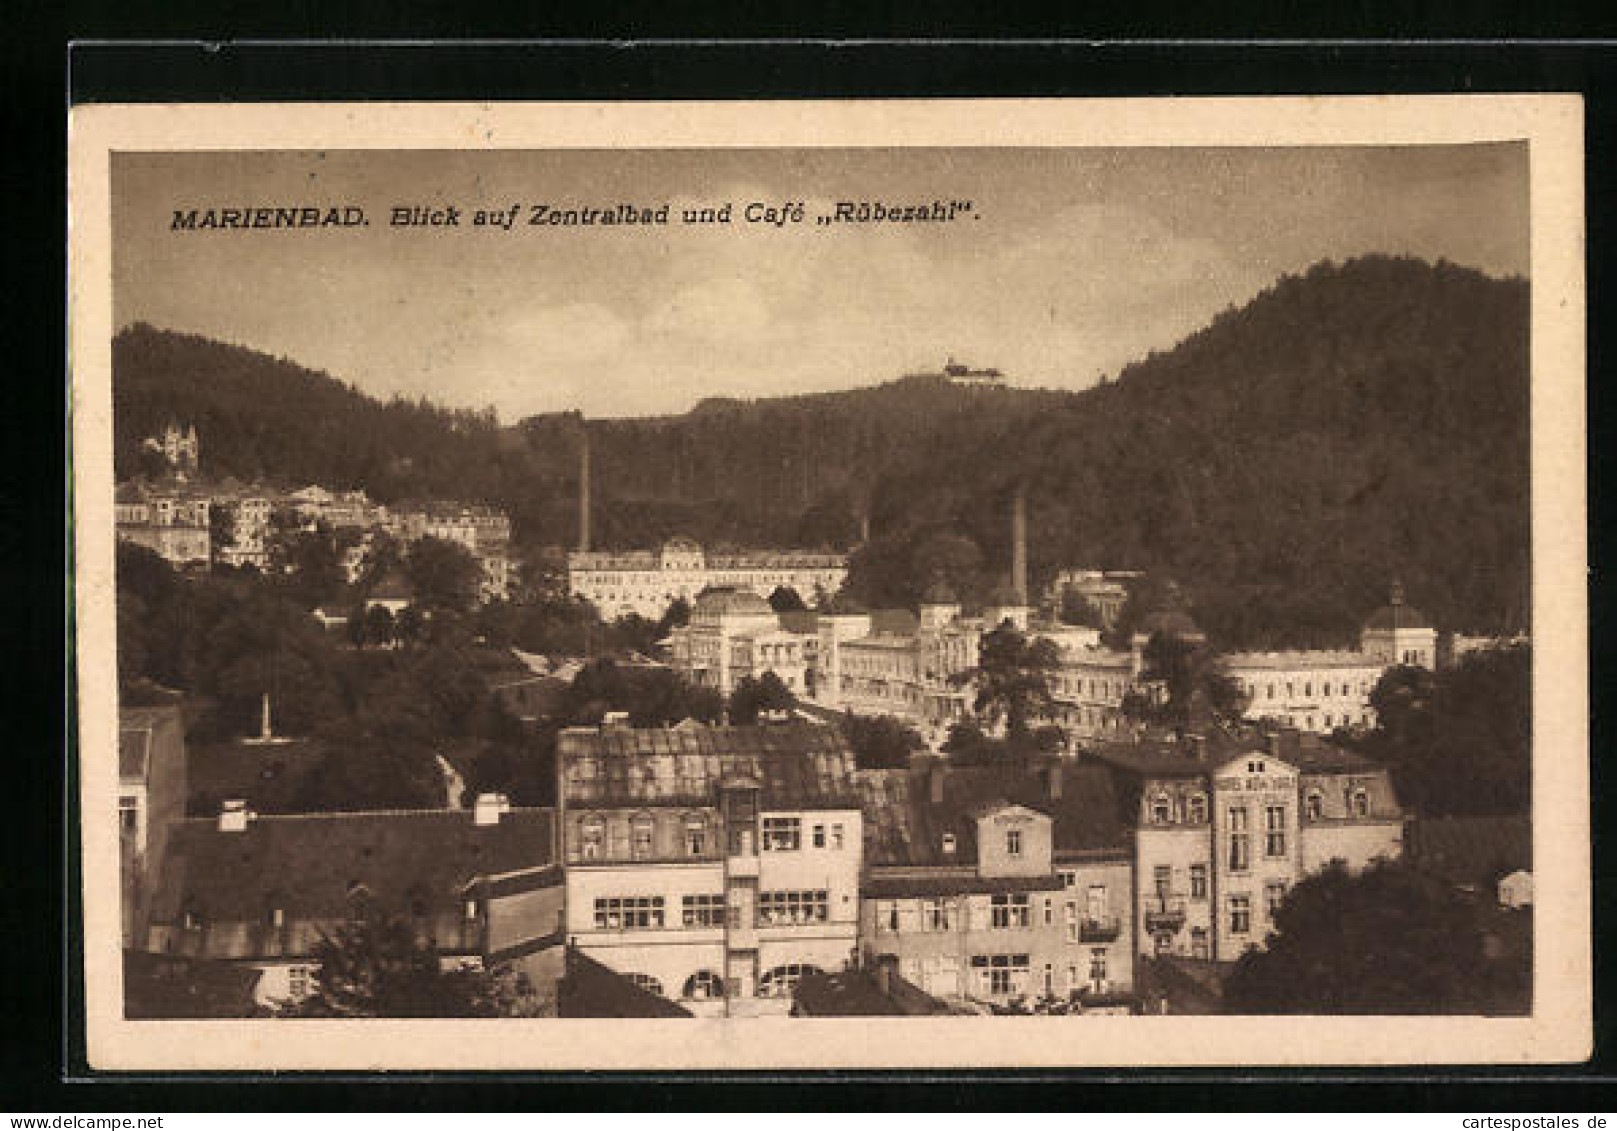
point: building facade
(1224, 829)
(170, 521)
(997, 887)
(713, 865)
(645, 583)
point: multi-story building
(714, 865)
(250, 509)
(151, 795)
(998, 884)
(1319, 691)
(646, 582)
(171, 522)
(477, 884)
(1223, 827)
(733, 634)
(1106, 591)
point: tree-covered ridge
(1355, 423)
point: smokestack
(1019, 546)
(1053, 780)
(264, 731)
(934, 783)
(583, 486)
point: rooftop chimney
(934, 784)
(1019, 546)
(488, 808)
(233, 816)
(1052, 776)
(583, 486)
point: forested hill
(1357, 422)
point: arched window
(703, 986)
(591, 837)
(780, 981)
(359, 901)
(647, 983)
(643, 835)
(1198, 809)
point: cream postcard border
(1561, 1027)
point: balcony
(1103, 930)
(1164, 913)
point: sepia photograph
(967, 584)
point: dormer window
(1198, 809)
(948, 844)
(642, 830)
(592, 835)
(1255, 766)
(1314, 806)
(1161, 809)
(1361, 803)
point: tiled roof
(269, 778)
(1471, 850)
(308, 865)
(797, 765)
(903, 826)
(590, 989)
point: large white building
(645, 582)
(733, 634)
(712, 865)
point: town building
(1002, 885)
(168, 520)
(712, 865)
(1225, 825)
(151, 796)
(1105, 591)
(480, 885)
(734, 634)
(645, 583)
(873, 991)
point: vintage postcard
(961, 584)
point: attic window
(948, 842)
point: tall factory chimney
(583, 486)
(1019, 545)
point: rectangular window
(1240, 914)
(935, 915)
(1273, 896)
(695, 839)
(1274, 824)
(1009, 912)
(299, 982)
(792, 908)
(128, 814)
(629, 913)
(1162, 880)
(1000, 975)
(1069, 879)
(1240, 840)
(702, 911)
(1095, 908)
(836, 835)
(1097, 969)
(783, 834)
(1013, 842)
(1198, 881)
(819, 836)
(1072, 921)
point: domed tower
(1399, 633)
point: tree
(443, 574)
(221, 526)
(1199, 692)
(1386, 941)
(1078, 610)
(880, 741)
(381, 969)
(1012, 680)
(359, 770)
(785, 599)
(377, 628)
(677, 615)
(753, 696)
(967, 745)
(1459, 741)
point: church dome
(1396, 615)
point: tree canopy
(1386, 941)
(1012, 680)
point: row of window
(780, 834)
(1006, 912)
(705, 985)
(1327, 689)
(785, 834)
(649, 912)
(1004, 975)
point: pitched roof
(134, 749)
(859, 993)
(904, 826)
(730, 601)
(1395, 614)
(590, 989)
(797, 765)
(308, 865)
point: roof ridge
(371, 813)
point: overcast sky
(1074, 263)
